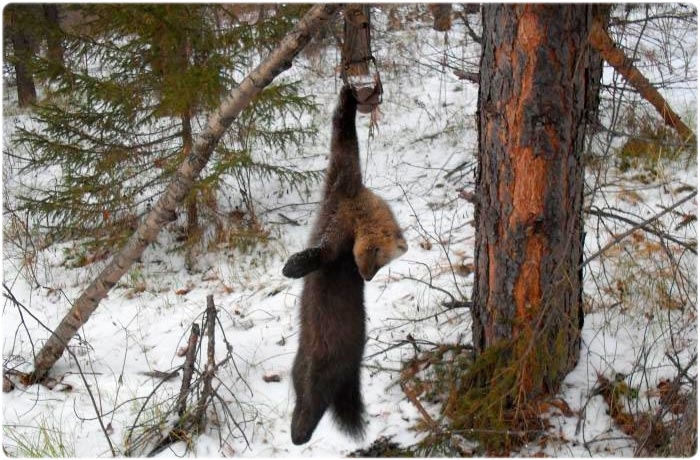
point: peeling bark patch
(529, 169)
(527, 291)
(529, 41)
(530, 31)
(528, 186)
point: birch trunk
(278, 61)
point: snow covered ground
(426, 130)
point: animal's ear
(302, 263)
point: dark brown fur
(354, 236)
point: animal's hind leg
(314, 385)
(348, 407)
(307, 413)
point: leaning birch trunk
(602, 42)
(278, 61)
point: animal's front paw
(302, 263)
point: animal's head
(372, 251)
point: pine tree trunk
(537, 81)
(536, 76)
(278, 61)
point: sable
(355, 235)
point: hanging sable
(354, 236)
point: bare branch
(602, 42)
(642, 224)
(647, 228)
(210, 370)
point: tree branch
(411, 395)
(602, 42)
(637, 225)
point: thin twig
(646, 228)
(642, 224)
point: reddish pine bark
(536, 78)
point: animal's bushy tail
(348, 410)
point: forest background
(119, 95)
